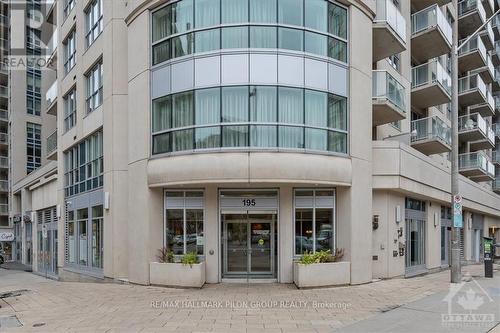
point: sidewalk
(13, 265)
(44, 305)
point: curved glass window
(249, 117)
(187, 26)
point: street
(42, 305)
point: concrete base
(177, 275)
(322, 275)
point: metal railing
(475, 44)
(388, 12)
(51, 94)
(476, 160)
(430, 128)
(52, 143)
(429, 73)
(468, 6)
(431, 17)
(471, 82)
(385, 86)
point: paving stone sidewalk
(51, 306)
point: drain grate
(9, 322)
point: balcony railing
(477, 160)
(4, 138)
(388, 12)
(430, 128)
(467, 6)
(430, 17)
(490, 100)
(4, 186)
(51, 94)
(4, 115)
(471, 82)
(495, 157)
(4, 162)
(52, 45)
(496, 129)
(429, 73)
(496, 185)
(52, 143)
(472, 122)
(475, 44)
(385, 86)
(4, 209)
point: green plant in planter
(165, 255)
(190, 259)
(320, 257)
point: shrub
(190, 259)
(319, 257)
(165, 256)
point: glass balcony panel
(428, 18)
(388, 12)
(385, 86)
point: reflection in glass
(337, 20)
(175, 231)
(207, 137)
(194, 231)
(234, 11)
(161, 52)
(337, 112)
(82, 216)
(303, 230)
(235, 136)
(263, 11)
(162, 113)
(97, 236)
(337, 49)
(182, 140)
(337, 142)
(263, 37)
(207, 13)
(207, 40)
(324, 229)
(161, 143)
(235, 38)
(290, 12)
(290, 39)
(263, 136)
(182, 16)
(162, 23)
(182, 45)
(316, 44)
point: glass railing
(476, 160)
(471, 122)
(468, 6)
(4, 185)
(51, 94)
(490, 100)
(489, 31)
(4, 162)
(471, 82)
(430, 128)
(475, 44)
(495, 157)
(428, 18)
(49, 4)
(495, 21)
(496, 184)
(491, 135)
(388, 12)
(496, 129)
(430, 73)
(52, 45)
(52, 143)
(385, 86)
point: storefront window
(314, 221)
(184, 222)
(82, 216)
(97, 239)
(71, 244)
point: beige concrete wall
(433, 236)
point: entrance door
(415, 246)
(248, 242)
(445, 245)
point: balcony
(4, 115)
(4, 138)
(496, 185)
(495, 157)
(485, 109)
(489, 7)
(471, 90)
(495, 24)
(4, 209)
(431, 34)
(431, 85)
(388, 99)
(52, 50)
(495, 86)
(476, 166)
(488, 37)
(4, 186)
(421, 4)
(471, 16)
(475, 130)
(430, 136)
(4, 91)
(487, 72)
(389, 31)
(4, 162)
(472, 55)
(51, 99)
(495, 54)
(52, 146)
(496, 130)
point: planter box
(177, 275)
(322, 275)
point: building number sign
(249, 202)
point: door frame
(273, 258)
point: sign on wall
(6, 236)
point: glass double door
(248, 243)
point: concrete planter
(322, 275)
(177, 275)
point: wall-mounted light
(398, 214)
(106, 200)
(436, 219)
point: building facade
(253, 131)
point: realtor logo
(464, 306)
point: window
(33, 146)
(314, 220)
(93, 21)
(70, 51)
(94, 87)
(70, 110)
(68, 6)
(184, 222)
(415, 204)
(33, 91)
(249, 116)
(321, 26)
(83, 166)
(84, 238)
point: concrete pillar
(286, 237)
(212, 232)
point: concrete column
(212, 232)
(286, 235)
(432, 236)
